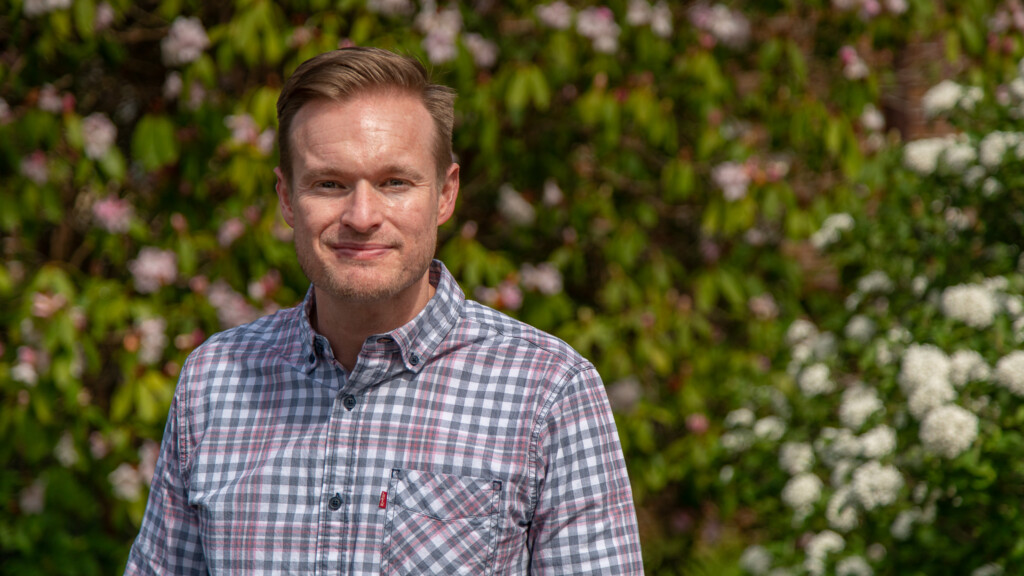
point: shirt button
(335, 502)
(414, 359)
(349, 402)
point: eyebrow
(389, 170)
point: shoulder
(267, 339)
(522, 342)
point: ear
(284, 197)
(449, 192)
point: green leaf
(153, 143)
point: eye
(395, 182)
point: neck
(347, 324)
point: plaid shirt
(463, 442)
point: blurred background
(788, 233)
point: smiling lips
(360, 250)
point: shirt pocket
(440, 524)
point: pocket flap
(445, 496)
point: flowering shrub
(902, 406)
(664, 185)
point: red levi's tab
(383, 502)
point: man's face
(364, 196)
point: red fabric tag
(383, 502)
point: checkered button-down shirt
(464, 442)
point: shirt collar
(417, 340)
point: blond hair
(343, 74)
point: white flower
(736, 440)
(948, 431)
(928, 395)
(557, 15)
(65, 450)
(802, 492)
(946, 95)
(769, 428)
(441, 29)
(513, 207)
(878, 442)
(661, 20)
(995, 145)
(903, 523)
(876, 281)
(841, 511)
(99, 134)
(854, 566)
(732, 179)
(796, 457)
(232, 308)
(819, 547)
(831, 230)
(815, 380)
(740, 417)
(836, 445)
(756, 560)
(967, 366)
(543, 277)
(922, 156)
(799, 331)
(972, 304)
(126, 482)
(625, 393)
(871, 118)
(152, 340)
(35, 8)
(390, 7)
(958, 156)
(860, 328)
(638, 13)
(859, 402)
(922, 363)
(1009, 372)
(185, 41)
(876, 485)
(990, 569)
(32, 499)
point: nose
(363, 212)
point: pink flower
(98, 445)
(34, 168)
(173, 85)
(598, 24)
(46, 305)
(32, 499)
(152, 340)
(153, 268)
(485, 52)
(697, 423)
(509, 295)
(5, 112)
(113, 214)
(99, 133)
(557, 15)
(442, 28)
(149, 452)
(544, 278)
(104, 17)
(854, 68)
(231, 230)
(185, 41)
(733, 179)
(727, 27)
(232, 308)
(50, 100)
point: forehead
(365, 113)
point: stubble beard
(353, 283)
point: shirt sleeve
(584, 521)
(169, 540)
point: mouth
(360, 251)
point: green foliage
(643, 181)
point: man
(386, 425)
